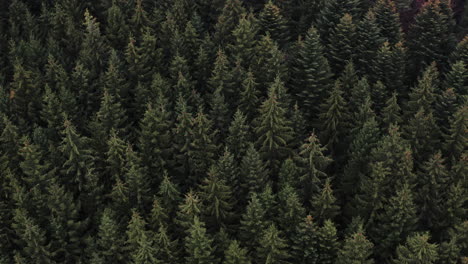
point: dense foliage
(234, 132)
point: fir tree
(417, 249)
(291, 210)
(273, 130)
(356, 249)
(388, 21)
(244, 42)
(313, 163)
(342, 44)
(227, 21)
(235, 254)
(324, 204)
(253, 222)
(311, 76)
(273, 248)
(328, 246)
(391, 114)
(304, 247)
(169, 193)
(110, 245)
(273, 23)
(198, 245)
(253, 171)
(217, 199)
(238, 136)
(456, 142)
(249, 96)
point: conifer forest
(234, 131)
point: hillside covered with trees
(233, 132)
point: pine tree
(140, 243)
(273, 130)
(423, 135)
(273, 23)
(313, 163)
(235, 254)
(158, 216)
(198, 245)
(390, 66)
(456, 78)
(417, 249)
(188, 210)
(167, 248)
(138, 182)
(356, 249)
(289, 174)
(273, 248)
(169, 193)
(342, 41)
(182, 132)
(228, 170)
(328, 246)
(324, 204)
(311, 76)
(220, 75)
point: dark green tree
(388, 20)
(324, 204)
(198, 244)
(253, 172)
(235, 254)
(417, 249)
(327, 248)
(273, 248)
(110, 245)
(356, 249)
(273, 23)
(342, 43)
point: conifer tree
(168, 250)
(356, 249)
(158, 216)
(182, 132)
(238, 136)
(110, 245)
(423, 135)
(253, 222)
(328, 246)
(202, 149)
(269, 63)
(417, 249)
(396, 222)
(324, 204)
(390, 67)
(456, 141)
(313, 163)
(423, 95)
(188, 210)
(227, 21)
(34, 246)
(431, 35)
(273, 130)
(289, 174)
(342, 43)
(219, 113)
(456, 78)
(391, 114)
(273, 248)
(79, 159)
(138, 182)
(304, 247)
(169, 193)
(217, 200)
(198, 245)
(253, 171)
(116, 29)
(311, 76)
(291, 210)
(228, 170)
(220, 75)
(273, 22)
(140, 242)
(249, 96)
(235, 254)
(334, 118)
(388, 20)
(244, 42)
(368, 39)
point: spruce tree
(423, 95)
(227, 21)
(417, 249)
(239, 135)
(253, 171)
(188, 210)
(235, 254)
(273, 249)
(391, 114)
(356, 249)
(311, 75)
(249, 96)
(305, 244)
(244, 42)
(324, 204)
(342, 43)
(388, 20)
(169, 193)
(217, 200)
(273, 23)
(253, 222)
(291, 210)
(456, 142)
(110, 245)
(198, 245)
(327, 248)
(313, 163)
(431, 35)
(273, 130)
